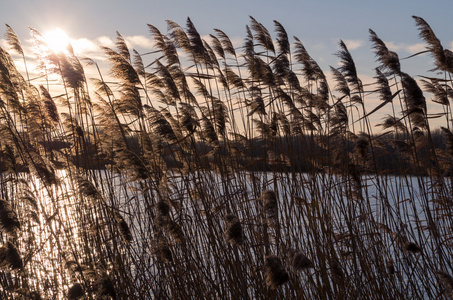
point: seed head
(233, 232)
(276, 275)
(298, 260)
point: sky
(318, 24)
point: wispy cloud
(353, 44)
(4, 44)
(139, 41)
(84, 46)
(105, 41)
(409, 48)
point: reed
(206, 170)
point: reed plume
(441, 92)
(233, 79)
(339, 118)
(123, 227)
(208, 132)
(13, 40)
(249, 43)
(415, 101)
(348, 67)
(121, 68)
(233, 232)
(299, 261)
(104, 286)
(71, 71)
(284, 46)
(384, 90)
(260, 71)
(257, 106)
(341, 83)
(8, 218)
(405, 244)
(163, 208)
(138, 63)
(390, 267)
(276, 274)
(198, 49)
(449, 140)
(444, 57)
(179, 36)
(10, 258)
(163, 252)
(311, 69)
(11, 82)
(75, 292)
(160, 125)
(9, 157)
(446, 281)
(393, 122)
(389, 60)
(212, 62)
(336, 269)
(270, 205)
(220, 114)
(176, 231)
(262, 35)
(167, 81)
(122, 47)
(88, 189)
(188, 118)
(165, 45)
(217, 46)
(361, 147)
(50, 107)
(227, 45)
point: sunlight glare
(57, 40)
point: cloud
(4, 44)
(409, 48)
(83, 46)
(416, 48)
(105, 41)
(139, 41)
(92, 48)
(353, 44)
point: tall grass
(203, 170)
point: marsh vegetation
(203, 170)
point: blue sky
(321, 21)
(318, 24)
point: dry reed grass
(209, 171)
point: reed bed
(203, 170)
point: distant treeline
(299, 153)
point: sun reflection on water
(57, 234)
(52, 237)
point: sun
(57, 40)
